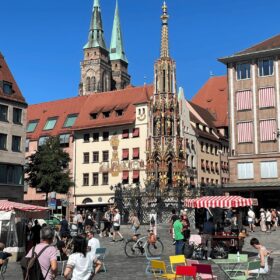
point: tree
(47, 169)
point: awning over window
(135, 174)
(135, 152)
(136, 132)
(125, 175)
(125, 153)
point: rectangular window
(267, 97)
(135, 176)
(269, 169)
(69, 122)
(95, 179)
(135, 153)
(268, 130)
(16, 141)
(95, 137)
(50, 124)
(85, 179)
(136, 132)
(125, 177)
(245, 132)
(105, 179)
(3, 141)
(244, 100)
(32, 126)
(43, 140)
(7, 88)
(17, 116)
(95, 157)
(266, 67)
(86, 137)
(245, 170)
(243, 71)
(27, 145)
(11, 174)
(125, 154)
(86, 157)
(105, 136)
(125, 134)
(64, 140)
(3, 113)
(105, 155)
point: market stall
(224, 240)
(12, 224)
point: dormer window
(7, 88)
(93, 116)
(50, 124)
(119, 113)
(106, 114)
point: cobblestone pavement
(121, 267)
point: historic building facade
(254, 117)
(103, 69)
(12, 135)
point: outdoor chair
(3, 269)
(242, 274)
(60, 262)
(270, 262)
(176, 260)
(204, 271)
(149, 259)
(159, 270)
(189, 271)
(191, 262)
(101, 253)
(242, 257)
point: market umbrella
(6, 205)
(218, 202)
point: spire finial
(96, 4)
(164, 52)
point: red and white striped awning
(6, 205)
(218, 202)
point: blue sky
(42, 40)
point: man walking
(208, 231)
(178, 236)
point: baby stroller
(197, 252)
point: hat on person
(261, 210)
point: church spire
(116, 47)
(96, 37)
(164, 51)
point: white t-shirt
(117, 220)
(268, 216)
(93, 243)
(82, 266)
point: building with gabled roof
(12, 135)
(254, 121)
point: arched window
(88, 84)
(87, 200)
(93, 84)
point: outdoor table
(229, 264)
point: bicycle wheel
(133, 249)
(156, 249)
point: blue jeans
(179, 247)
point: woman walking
(262, 220)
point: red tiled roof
(104, 101)
(213, 96)
(269, 44)
(59, 108)
(84, 106)
(6, 75)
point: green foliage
(47, 169)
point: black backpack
(31, 267)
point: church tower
(96, 70)
(166, 163)
(119, 63)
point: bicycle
(138, 247)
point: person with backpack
(40, 263)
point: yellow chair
(177, 260)
(159, 270)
